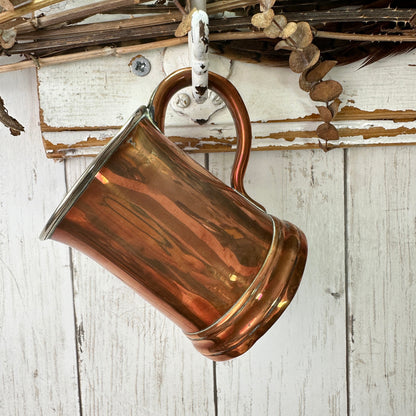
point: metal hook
(198, 47)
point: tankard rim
(91, 171)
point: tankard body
(203, 253)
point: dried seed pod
(327, 131)
(283, 45)
(325, 113)
(289, 30)
(334, 106)
(272, 31)
(326, 91)
(280, 21)
(266, 4)
(185, 26)
(6, 5)
(318, 72)
(263, 20)
(303, 84)
(303, 36)
(8, 38)
(300, 60)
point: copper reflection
(215, 263)
(233, 101)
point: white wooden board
(38, 368)
(84, 103)
(381, 198)
(299, 366)
(346, 346)
(133, 360)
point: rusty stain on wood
(225, 144)
(370, 133)
(330, 146)
(354, 113)
(192, 145)
(346, 113)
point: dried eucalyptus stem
(304, 59)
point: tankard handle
(183, 78)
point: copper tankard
(204, 253)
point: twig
(146, 27)
(143, 9)
(350, 15)
(109, 51)
(180, 8)
(15, 127)
(85, 11)
(364, 37)
(93, 28)
(76, 14)
(28, 8)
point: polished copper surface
(234, 103)
(210, 259)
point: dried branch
(80, 13)
(15, 127)
(110, 51)
(146, 27)
(25, 9)
(74, 15)
(102, 27)
(364, 37)
(143, 9)
(350, 15)
(179, 7)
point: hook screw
(183, 100)
(140, 66)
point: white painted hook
(198, 46)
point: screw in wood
(140, 66)
(183, 100)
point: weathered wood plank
(37, 339)
(132, 359)
(266, 136)
(106, 93)
(299, 366)
(381, 273)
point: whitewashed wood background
(76, 341)
(374, 110)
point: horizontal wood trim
(266, 136)
(346, 113)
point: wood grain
(299, 366)
(38, 367)
(283, 116)
(381, 207)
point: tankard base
(263, 302)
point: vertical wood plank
(133, 361)
(382, 280)
(299, 366)
(38, 371)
